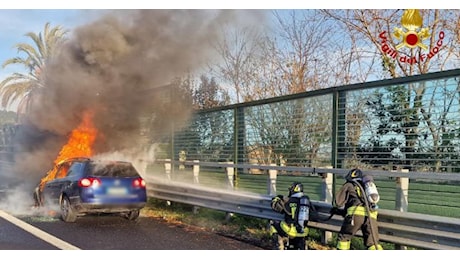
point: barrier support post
(196, 172)
(168, 174)
(231, 185)
(326, 196)
(272, 174)
(402, 195)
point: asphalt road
(111, 233)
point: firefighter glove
(277, 204)
(337, 211)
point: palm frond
(39, 43)
(24, 86)
(33, 57)
(54, 37)
(14, 91)
(12, 79)
(15, 60)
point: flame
(79, 145)
(411, 19)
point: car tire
(133, 215)
(68, 214)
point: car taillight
(89, 182)
(139, 183)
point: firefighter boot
(278, 242)
(373, 247)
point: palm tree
(21, 86)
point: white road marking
(38, 233)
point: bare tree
(301, 48)
(381, 31)
(238, 52)
(409, 42)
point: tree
(408, 42)
(377, 31)
(24, 86)
(207, 94)
(239, 51)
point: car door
(69, 184)
(54, 187)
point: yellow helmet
(295, 187)
(354, 174)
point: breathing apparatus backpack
(304, 211)
(371, 192)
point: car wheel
(133, 214)
(68, 214)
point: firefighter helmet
(295, 187)
(354, 175)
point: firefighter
(291, 232)
(359, 211)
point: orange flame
(79, 145)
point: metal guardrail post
(182, 158)
(402, 193)
(230, 176)
(231, 185)
(168, 169)
(196, 172)
(327, 182)
(402, 201)
(168, 174)
(326, 196)
(272, 174)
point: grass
(248, 229)
(244, 228)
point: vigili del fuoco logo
(411, 35)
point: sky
(19, 17)
(14, 24)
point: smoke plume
(120, 67)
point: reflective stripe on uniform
(379, 247)
(291, 230)
(273, 230)
(360, 211)
(343, 245)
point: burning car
(81, 186)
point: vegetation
(24, 86)
(7, 117)
(414, 126)
(8, 121)
(249, 229)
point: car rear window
(112, 169)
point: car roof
(109, 162)
(74, 159)
(95, 161)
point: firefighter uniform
(293, 228)
(357, 216)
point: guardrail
(400, 228)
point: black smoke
(120, 68)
